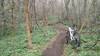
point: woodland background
(30, 24)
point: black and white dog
(74, 37)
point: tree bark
(66, 6)
(14, 14)
(27, 22)
(2, 20)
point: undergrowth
(16, 45)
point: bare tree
(94, 3)
(27, 22)
(45, 19)
(66, 6)
(14, 14)
(74, 12)
(85, 15)
(2, 17)
(2, 6)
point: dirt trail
(56, 45)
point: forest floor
(16, 45)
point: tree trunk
(45, 19)
(27, 22)
(14, 14)
(66, 6)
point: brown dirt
(56, 45)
